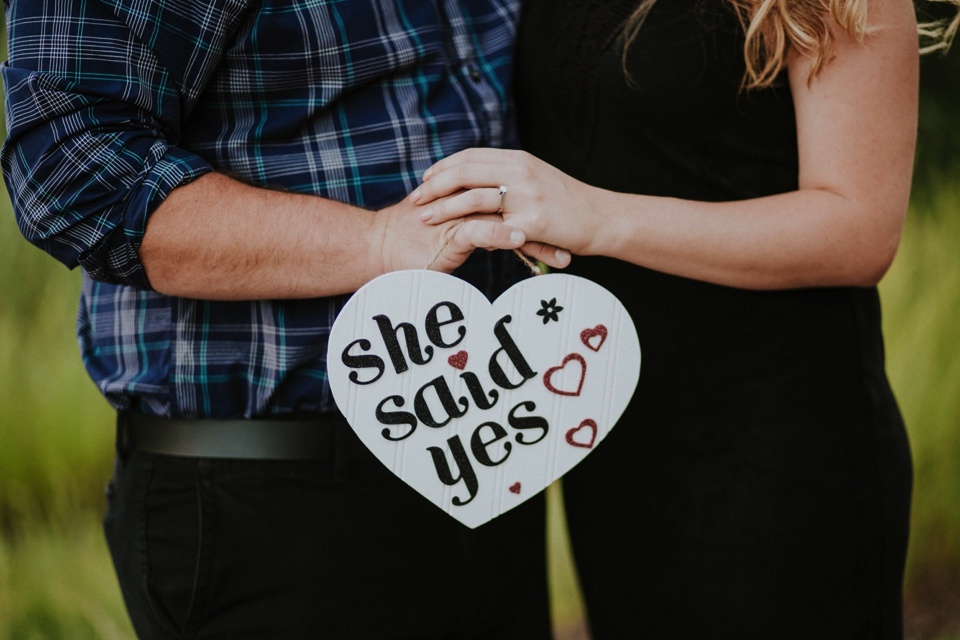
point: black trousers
(788, 530)
(338, 549)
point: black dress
(758, 485)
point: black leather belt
(320, 438)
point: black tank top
(763, 426)
(679, 123)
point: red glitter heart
(586, 424)
(547, 377)
(598, 334)
(515, 488)
(458, 360)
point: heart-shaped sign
(480, 406)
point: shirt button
(474, 73)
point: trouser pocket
(157, 535)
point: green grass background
(56, 437)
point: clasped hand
(408, 243)
(548, 206)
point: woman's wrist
(609, 223)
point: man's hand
(406, 242)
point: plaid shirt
(112, 104)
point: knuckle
(455, 238)
(517, 155)
(436, 186)
(485, 234)
(538, 222)
(463, 232)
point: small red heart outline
(458, 360)
(587, 334)
(515, 488)
(552, 370)
(572, 434)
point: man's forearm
(220, 239)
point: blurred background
(56, 433)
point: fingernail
(428, 173)
(563, 256)
(517, 237)
(415, 196)
(426, 215)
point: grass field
(56, 439)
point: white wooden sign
(479, 407)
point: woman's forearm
(811, 237)
(856, 131)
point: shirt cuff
(116, 257)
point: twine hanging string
(452, 232)
(534, 268)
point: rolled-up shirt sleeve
(97, 93)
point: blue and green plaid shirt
(112, 104)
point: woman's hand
(856, 130)
(550, 207)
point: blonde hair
(938, 35)
(774, 27)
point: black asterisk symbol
(549, 311)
